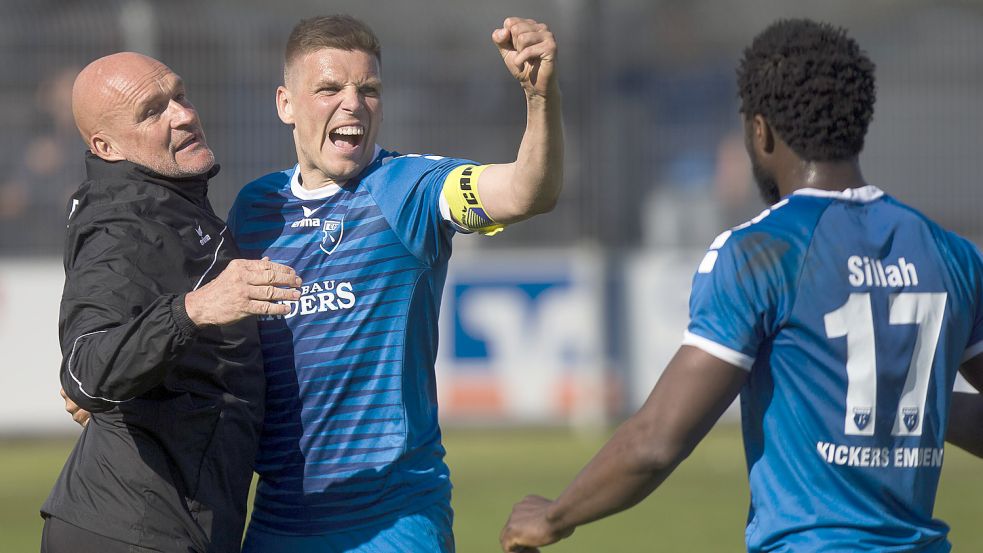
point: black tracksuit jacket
(166, 461)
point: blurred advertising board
(656, 299)
(657, 286)
(522, 339)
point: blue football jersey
(351, 436)
(852, 313)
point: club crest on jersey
(332, 230)
(909, 415)
(861, 417)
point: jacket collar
(193, 188)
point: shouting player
(351, 456)
(839, 314)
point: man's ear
(283, 106)
(762, 136)
(103, 146)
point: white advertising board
(30, 292)
(656, 296)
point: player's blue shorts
(429, 530)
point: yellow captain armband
(461, 194)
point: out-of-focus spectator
(34, 193)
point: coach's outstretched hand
(244, 288)
(529, 527)
(529, 51)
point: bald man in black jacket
(156, 331)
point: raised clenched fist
(529, 51)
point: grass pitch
(701, 508)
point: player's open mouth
(348, 137)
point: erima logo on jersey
(319, 297)
(202, 237)
(308, 220)
(866, 272)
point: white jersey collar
(863, 194)
(323, 192)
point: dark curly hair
(814, 86)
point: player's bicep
(466, 203)
(693, 392)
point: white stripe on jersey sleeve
(723, 353)
(972, 351)
(445, 214)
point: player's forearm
(531, 184)
(538, 176)
(692, 393)
(966, 422)
(624, 472)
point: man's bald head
(128, 106)
(103, 84)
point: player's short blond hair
(342, 32)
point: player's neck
(822, 175)
(312, 179)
